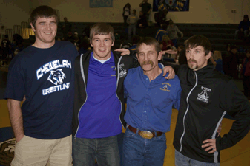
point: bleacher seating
(219, 34)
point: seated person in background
(243, 30)
(231, 62)
(161, 32)
(218, 61)
(246, 74)
(173, 31)
(179, 49)
(6, 48)
(166, 43)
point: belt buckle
(146, 134)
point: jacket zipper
(187, 111)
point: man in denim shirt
(150, 98)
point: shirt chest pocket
(162, 98)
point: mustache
(192, 60)
(148, 62)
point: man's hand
(170, 71)
(123, 51)
(19, 137)
(210, 145)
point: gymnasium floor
(239, 155)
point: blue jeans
(104, 150)
(181, 160)
(138, 151)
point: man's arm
(16, 118)
(166, 69)
(238, 107)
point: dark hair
(102, 29)
(42, 12)
(198, 40)
(148, 41)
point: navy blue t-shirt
(45, 78)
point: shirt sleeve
(178, 96)
(15, 88)
(237, 106)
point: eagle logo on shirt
(165, 87)
(56, 76)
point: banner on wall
(100, 3)
(173, 5)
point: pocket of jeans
(129, 133)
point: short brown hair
(102, 29)
(198, 40)
(42, 12)
(148, 41)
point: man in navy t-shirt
(42, 75)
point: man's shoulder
(133, 71)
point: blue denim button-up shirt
(149, 104)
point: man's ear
(137, 56)
(160, 55)
(113, 43)
(33, 28)
(208, 56)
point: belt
(146, 134)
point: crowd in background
(234, 62)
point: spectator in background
(246, 74)
(6, 48)
(132, 21)
(126, 12)
(70, 37)
(17, 44)
(162, 31)
(135, 40)
(180, 48)
(218, 61)
(163, 11)
(243, 30)
(66, 27)
(142, 22)
(231, 62)
(166, 43)
(173, 31)
(146, 8)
